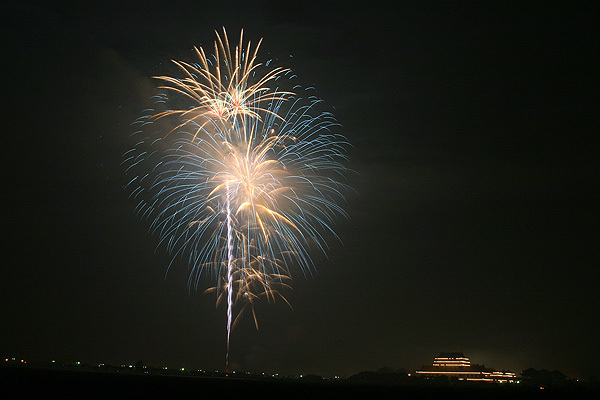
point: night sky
(473, 226)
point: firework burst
(246, 179)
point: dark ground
(475, 140)
(60, 384)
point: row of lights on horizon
(15, 360)
(182, 369)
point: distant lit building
(456, 365)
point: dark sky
(474, 226)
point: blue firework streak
(245, 180)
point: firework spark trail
(229, 275)
(244, 181)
